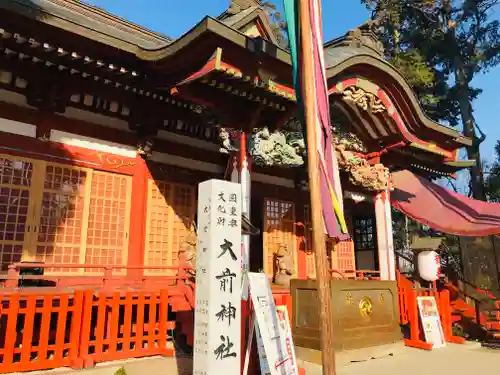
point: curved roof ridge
(347, 60)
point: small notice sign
(272, 327)
(431, 321)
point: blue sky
(173, 19)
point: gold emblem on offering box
(366, 307)
(381, 298)
(348, 299)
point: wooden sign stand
(272, 329)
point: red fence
(409, 315)
(355, 274)
(39, 331)
(100, 275)
(76, 329)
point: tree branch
(482, 135)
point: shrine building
(107, 128)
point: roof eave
(37, 12)
(388, 69)
(211, 25)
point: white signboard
(217, 335)
(286, 336)
(264, 364)
(274, 339)
(431, 321)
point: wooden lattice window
(60, 215)
(16, 190)
(341, 254)
(279, 231)
(344, 257)
(364, 233)
(57, 213)
(170, 220)
(108, 223)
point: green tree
(457, 39)
(429, 83)
(493, 177)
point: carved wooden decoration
(114, 161)
(370, 177)
(363, 99)
(145, 147)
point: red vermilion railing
(121, 326)
(103, 275)
(39, 331)
(355, 274)
(43, 329)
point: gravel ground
(466, 359)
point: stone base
(345, 357)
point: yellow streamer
(335, 202)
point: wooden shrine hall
(106, 129)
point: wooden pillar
(136, 244)
(383, 219)
(326, 317)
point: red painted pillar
(136, 245)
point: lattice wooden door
(83, 217)
(61, 212)
(16, 206)
(279, 230)
(170, 220)
(109, 219)
(55, 213)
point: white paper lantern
(429, 265)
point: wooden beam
(99, 88)
(322, 274)
(232, 116)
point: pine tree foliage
(455, 40)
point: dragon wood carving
(283, 149)
(364, 99)
(286, 149)
(280, 148)
(371, 177)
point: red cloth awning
(443, 209)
